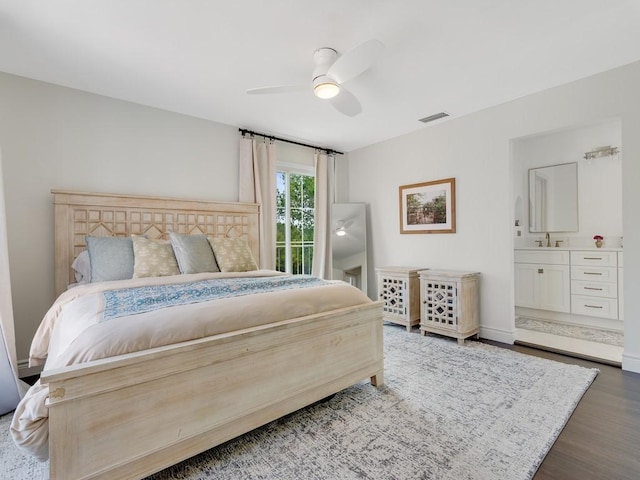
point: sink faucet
(548, 237)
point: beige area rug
(447, 412)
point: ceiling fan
(330, 72)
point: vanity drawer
(595, 258)
(594, 306)
(550, 257)
(595, 289)
(594, 274)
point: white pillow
(82, 267)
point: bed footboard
(133, 415)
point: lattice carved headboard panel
(78, 215)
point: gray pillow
(111, 258)
(194, 253)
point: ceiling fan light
(341, 232)
(325, 87)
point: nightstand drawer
(594, 306)
(594, 289)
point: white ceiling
(198, 57)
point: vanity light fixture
(600, 152)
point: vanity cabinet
(620, 286)
(542, 280)
(399, 290)
(578, 282)
(594, 283)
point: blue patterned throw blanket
(130, 301)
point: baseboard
(498, 335)
(24, 370)
(631, 363)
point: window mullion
(287, 230)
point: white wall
(55, 137)
(599, 181)
(477, 151)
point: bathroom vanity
(570, 284)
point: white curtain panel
(257, 177)
(10, 387)
(322, 259)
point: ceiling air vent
(436, 116)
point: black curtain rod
(271, 137)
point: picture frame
(428, 207)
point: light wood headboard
(103, 214)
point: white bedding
(72, 331)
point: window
(295, 219)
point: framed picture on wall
(428, 207)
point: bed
(133, 414)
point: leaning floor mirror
(349, 244)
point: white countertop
(594, 249)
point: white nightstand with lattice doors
(399, 290)
(450, 303)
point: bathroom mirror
(553, 198)
(349, 243)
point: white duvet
(72, 331)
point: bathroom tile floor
(592, 343)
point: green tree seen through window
(295, 222)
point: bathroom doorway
(568, 292)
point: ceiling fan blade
(355, 61)
(346, 103)
(278, 89)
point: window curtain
(324, 195)
(257, 174)
(11, 388)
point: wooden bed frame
(135, 414)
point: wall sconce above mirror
(553, 198)
(600, 152)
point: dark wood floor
(602, 438)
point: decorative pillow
(153, 258)
(233, 254)
(193, 253)
(111, 258)
(82, 267)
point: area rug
(447, 412)
(598, 335)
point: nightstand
(450, 303)
(399, 290)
